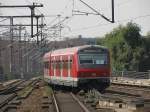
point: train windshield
(98, 59)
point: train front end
(93, 67)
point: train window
(53, 65)
(93, 59)
(100, 59)
(70, 64)
(86, 59)
(61, 65)
(57, 65)
(65, 65)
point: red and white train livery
(78, 66)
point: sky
(137, 11)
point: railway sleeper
(46, 102)
(5, 102)
(15, 102)
(25, 94)
(9, 108)
(45, 106)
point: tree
(126, 46)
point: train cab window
(86, 59)
(99, 59)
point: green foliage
(127, 47)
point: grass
(48, 91)
(25, 91)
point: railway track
(132, 90)
(116, 100)
(140, 83)
(11, 87)
(10, 98)
(34, 98)
(68, 102)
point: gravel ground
(34, 102)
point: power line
(53, 20)
(119, 21)
(3, 20)
(4, 30)
(66, 6)
(96, 12)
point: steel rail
(55, 102)
(80, 103)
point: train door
(61, 66)
(69, 66)
(58, 66)
(53, 66)
(65, 66)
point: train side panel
(62, 70)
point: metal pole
(28, 56)
(25, 51)
(32, 14)
(113, 11)
(11, 44)
(37, 20)
(20, 53)
(41, 28)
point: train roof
(46, 55)
(71, 50)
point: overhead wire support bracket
(97, 12)
(32, 7)
(22, 16)
(21, 6)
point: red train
(79, 66)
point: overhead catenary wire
(96, 12)
(62, 12)
(3, 19)
(53, 20)
(65, 8)
(118, 21)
